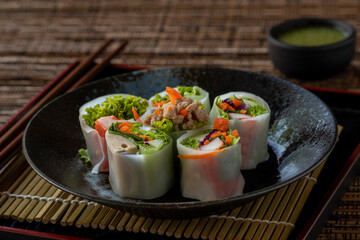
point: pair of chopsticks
(12, 132)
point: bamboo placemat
(25, 196)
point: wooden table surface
(39, 39)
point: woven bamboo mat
(25, 196)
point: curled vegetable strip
(252, 130)
(210, 175)
(96, 144)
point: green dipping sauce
(311, 36)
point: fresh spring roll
(195, 93)
(140, 160)
(178, 115)
(97, 116)
(250, 115)
(210, 162)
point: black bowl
(302, 134)
(315, 61)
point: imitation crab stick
(104, 123)
(173, 94)
(200, 156)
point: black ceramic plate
(302, 134)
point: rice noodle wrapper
(141, 176)
(210, 178)
(253, 131)
(203, 98)
(95, 144)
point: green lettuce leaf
(118, 106)
(165, 125)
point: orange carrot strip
(228, 140)
(243, 111)
(236, 102)
(158, 104)
(221, 124)
(157, 112)
(200, 156)
(173, 94)
(223, 106)
(215, 134)
(136, 115)
(235, 133)
(206, 142)
(184, 112)
(170, 108)
(125, 129)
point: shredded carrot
(221, 124)
(125, 129)
(206, 142)
(136, 115)
(228, 140)
(173, 94)
(200, 156)
(236, 102)
(235, 133)
(158, 104)
(243, 111)
(184, 112)
(170, 108)
(157, 112)
(223, 106)
(215, 134)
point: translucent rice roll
(209, 173)
(195, 93)
(105, 106)
(140, 169)
(250, 115)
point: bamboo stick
(191, 227)
(254, 209)
(84, 215)
(235, 227)
(124, 220)
(218, 225)
(17, 184)
(91, 216)
(107, 219)
(7, 208)
(40, 204)
(29, 208)
(64, 206)
(205, 233)
(99, 217)
(270, 212)
(155, 226)
(15, 214)
(290, 207)
(181, 228)
(70, 210)
(54, 208)
(228, 223)
(139, 223)
(47, 206)
(76, 213)
(114, 222)
(260, 214)
(172, 228)
(164, 225)
(147, 225)
(200, 226)
(129, 226)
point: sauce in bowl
(309, 36)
